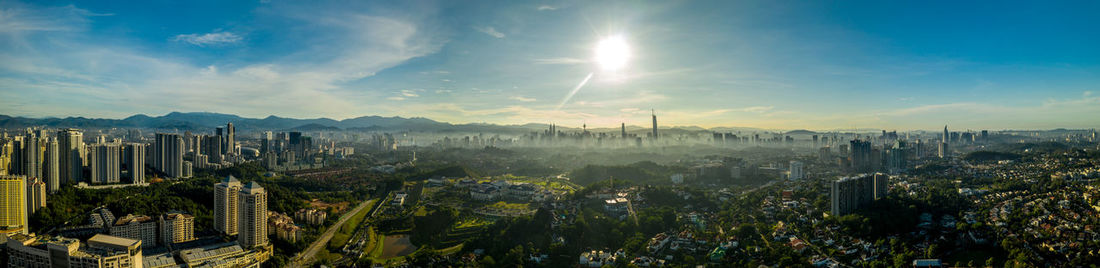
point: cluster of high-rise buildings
(289, 148)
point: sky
(818, 65)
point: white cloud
(395, 98)
(546, 8)
(409, 93)
(490, 31)
(209, 39)
(522, 99)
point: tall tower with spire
(654, 113)
(945, 135)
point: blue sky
(768, 64)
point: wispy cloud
(561, 60)
(15, 18)
(209, 39)
(409, 93)
(490, 31)
(546, 8)
(522, 99)
(757, 109)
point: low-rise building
(100, 251)
(139, 227)
(484, 192)
(311, 216)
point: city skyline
(746, 64)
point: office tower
(36, 195)
(51, 172)
(230, 142)
(654, 113)
(168, 154)
(13, 205)
(985, 135)
(943, 150)
(295, 143)
(134, 157)
(104, 163)
(252, 213)
(946, 136)
(851, 193)
(881, 185)
(795, 171)
(815, 140)
(138, 227)
(71, 155)
(266, 142)
(213, 149)
(225, 205)
(177, 227)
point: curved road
(305, 259)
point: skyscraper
(168, 154)
(654, 113)
(213, 149)
(253, 216)
(51, 169)
(946, 136)
(104, 163)
(230, 142)
(225, 205)
(13, 205)
(71, 155)
(134, 157)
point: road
(305, 258)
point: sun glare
(612, 53)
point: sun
(612, 53)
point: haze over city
(486, 133)
(773, 65)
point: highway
(304, 259)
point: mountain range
(206, 121)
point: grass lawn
(501, 205)
(474, 222)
